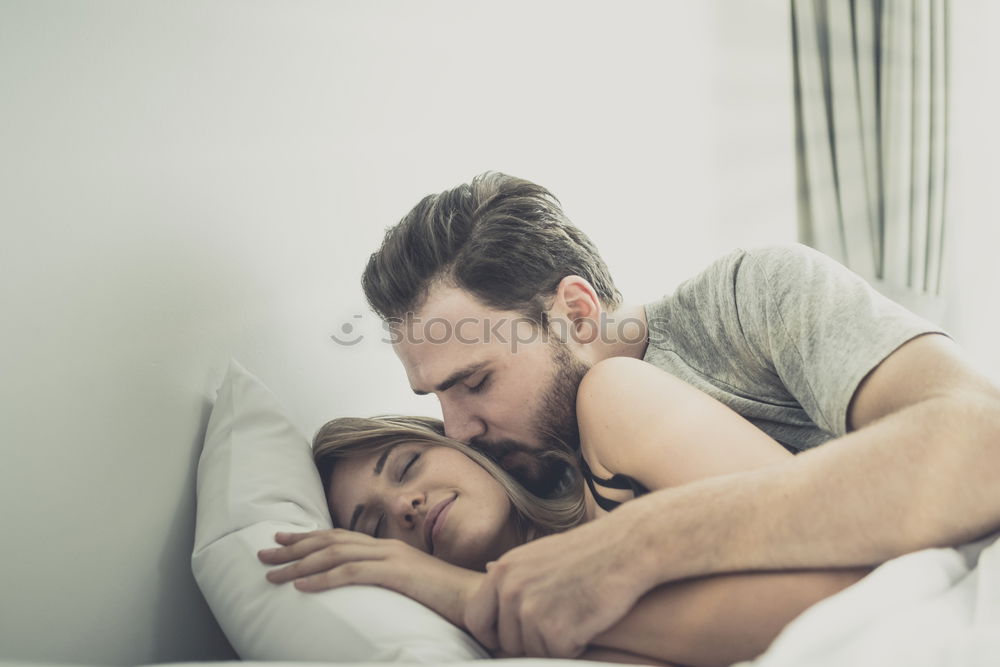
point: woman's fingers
(354, 572)
(328, 557)
(292, 538)
(324, 559)
(533, 642)
(300, 545)
(509, 631)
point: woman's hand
(325, 559)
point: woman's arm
(324, 559)
(639, 421)
(722, 619)
(600, 654)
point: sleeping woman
(424, 515)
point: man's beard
(542, 469)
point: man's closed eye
(483, 384)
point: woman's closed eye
(409, 464)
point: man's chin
(548, 481)
(525, 464)
(520, 461)
(542, 477)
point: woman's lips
(435, 520)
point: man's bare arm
(920, 471)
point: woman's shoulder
(639, 421)
(606, 492)
(617, 374)
(614, 398)
(617, 387)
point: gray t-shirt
(783, 335)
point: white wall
(973, 238)
(183, 181)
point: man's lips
(432, 518)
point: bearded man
(498, 305)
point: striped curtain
(871, 111)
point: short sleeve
(822, 327)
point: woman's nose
(408, 506)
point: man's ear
(577, 302)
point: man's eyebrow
(457, 376)
(376, 471)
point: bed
(934, 607)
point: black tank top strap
(622, 482)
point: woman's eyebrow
(376, 471)
(354, 517)
(381, 461)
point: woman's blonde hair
(349, 437)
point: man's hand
(550, 597)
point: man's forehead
(443, 335)
(453, 332)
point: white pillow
(256, 477)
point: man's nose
(460, 424)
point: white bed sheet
(931, 608)
(517, 662)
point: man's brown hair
(504, 240)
